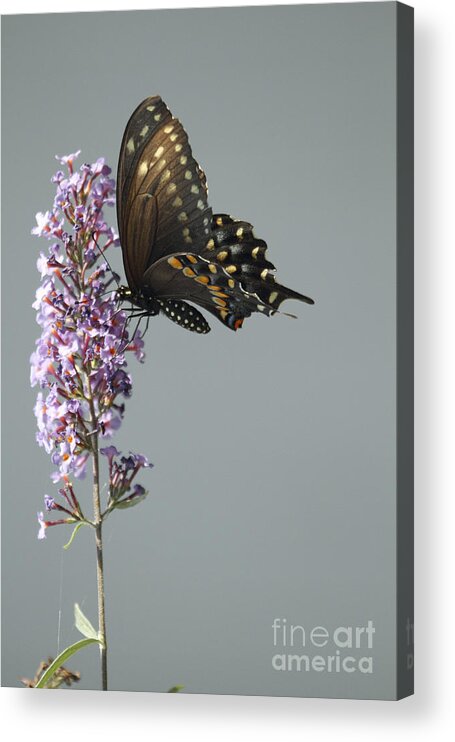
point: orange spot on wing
(175, 263)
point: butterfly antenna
(114, 274)
(285, 314)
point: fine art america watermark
(340, 649)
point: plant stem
(99, 544)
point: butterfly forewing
(141, 128)
(162, 196)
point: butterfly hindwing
(235, 246)
(205, 283)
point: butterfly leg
(146, 326)
(137, 326)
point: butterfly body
(144, 301)
(175, 250)
(180, 312)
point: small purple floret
(42, 524)
(49, 502)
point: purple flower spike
(79, 362)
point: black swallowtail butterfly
(174, 248)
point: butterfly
(175, 250)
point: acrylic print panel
(273, 498)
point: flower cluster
(71, 508)
(79, 362)
(122, 471)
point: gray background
(273, 492)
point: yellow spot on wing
(222, 255)
(143, 168)
(203, 279)
(130, 145)
(231, 269)
(159, 152)
(210, 244)
(255, 252)
(144, 130)
(212, 268)
(188, 272)
(177, 201)
(273, 296)
(192, 259)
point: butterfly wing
(231, 278)
(234, 245)
(205, 283)
(161, 191)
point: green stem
(99, 542)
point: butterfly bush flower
(80, 360)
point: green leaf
(83, 624)
(175, 688)
(63, 656)
(75, 530)
(123, 504)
